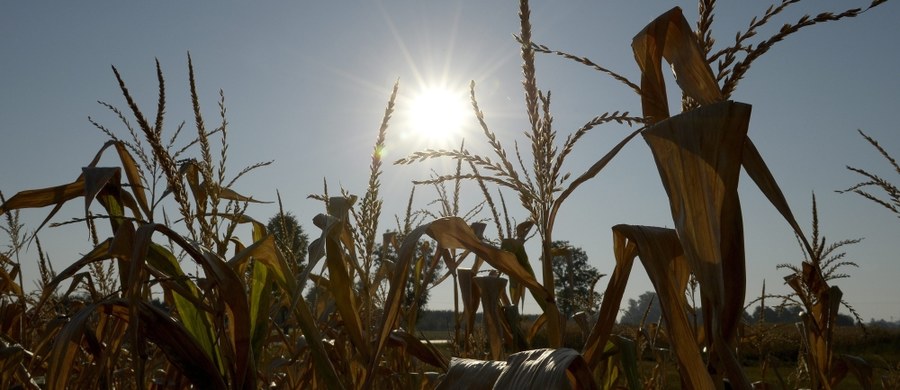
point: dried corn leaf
(517, 246)
(490, 287)
(536, 327)
(99, 253)
(594, 170)
(394, 300)
(758, 171)
(7, 283)
(470, 295)
(450, 233)
(89, 187)
(265, 252)
(13, 374)
(313, 338)
(822, 302)
(625, 252)
(453, 232)
(426, 353)
(179, 347)
(661, 254)
(133, 175)
(43, 197)
(859, 367)
(545, 369)
(229, 194)
(95, 179)
(341, 289)
(471, 374)
(670, 36)
(512, 326)
(698, 155)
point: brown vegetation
(215, 329)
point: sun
(437, 114)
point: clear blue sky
(306, 84)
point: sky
(306, 85)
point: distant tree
(791, 314)
(883, 324)
(636, 309)
(575, 279)
(290, 239)
(441, 320)
(777, 314)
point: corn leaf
(179, 347)
(320, 358)
(629, 360)
(426, 353)
(7, 283)
(512, 322)
(490, 287)
(99, 253)
(266, 253)
(231, 292)
(82, 186)
(465, 374)
(859, 367)
(471, 296)
(194, 313)
(625, 252)
(261, 286)
(95, 179)
(698, 155)
(66, 346)
(43, 197)
(394, 298)
(545, 369)
(661, 254)
(229, 194)
(758, 171)
(594, 170)
(453, 232)
(133, 175)
(670, 36)
(341, 288)
(517, 246)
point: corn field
(171, 296)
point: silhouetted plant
(873, 181)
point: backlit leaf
(466, 374)
(698, 155)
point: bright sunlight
(436, 114)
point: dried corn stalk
(699, 154)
